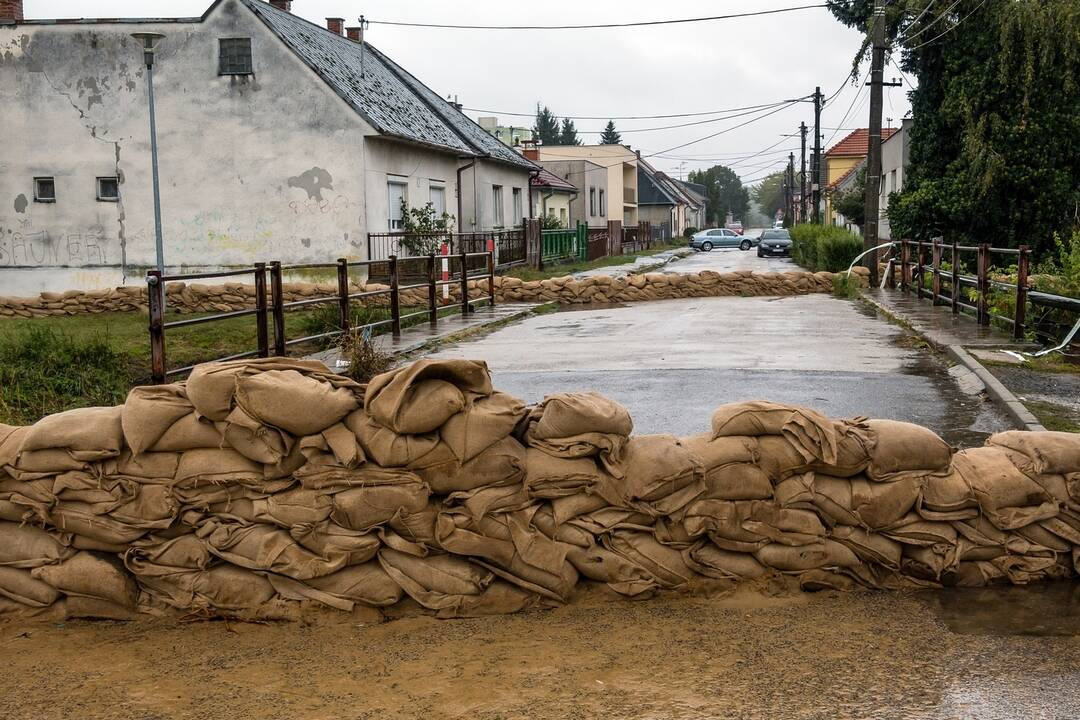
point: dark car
(774, 242)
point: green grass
(1053, 416)
(550, 271)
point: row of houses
(277, 138)
(845, 160)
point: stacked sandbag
(264, 488)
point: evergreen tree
(610, 136)
(568, 134)
(546, 127)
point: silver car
(706, 240)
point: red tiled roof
(548, 179)
(856, 143)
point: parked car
(774, 242)
(736, 226)
(778, 225)
(719, 237)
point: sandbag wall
(195, 297)
(265, 487)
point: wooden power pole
(816, 180)
(802, 175)
(873, 151)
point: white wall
(477, 195)
(260, 167)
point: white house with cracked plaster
(278, 139)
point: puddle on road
(1041, 609)
(589, 306)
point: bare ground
(741, 654)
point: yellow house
(841, 159)
(621, 163)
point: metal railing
(273, 309)
(920, 261)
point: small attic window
(234, 56)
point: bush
(366, 359)
(44, 371)
(824, 247)
(689, 232)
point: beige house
(617, 197)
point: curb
(995, 390)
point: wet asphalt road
(672, 362)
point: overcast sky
(660, 70)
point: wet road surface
(728, 259)
(672, 362)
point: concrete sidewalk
(416, 337)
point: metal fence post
(260, 310)
(905, 277)
(395, 306)
(433, 310)
(984, 284)
(155, 300)
(491, 279)
(343, 294)
(1022, 262)
(277, 307)
(464, 282)
(936, 282)
(955, 277)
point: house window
(234, 56)
(44, 189)
(497, 205)
(437, 198)
(517, 205)
(592, 202)
(396, 190)
(562, 217)
(603, 210)
(108, 189)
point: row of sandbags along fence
(430, 282)
(272, 488)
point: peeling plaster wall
(477, 199)
(260, 167)
(419, 167)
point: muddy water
(1043, 610)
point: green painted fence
(564, 244)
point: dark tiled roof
(546, 178)
(394, 102)
(857, 142)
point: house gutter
(460, 170)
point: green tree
(568, 133)
(724, 193)
(769, 194)
(546, 126)
(852, 202)
(610, 136)
(995, 140)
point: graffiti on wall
(41, 248)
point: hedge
(824, 247)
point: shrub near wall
(824, 247)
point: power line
(858, 95)
(598, 25)
(682, 125)
(948, 30)
(927, 26)
(636, 117)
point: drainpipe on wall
(460, 220)
(533, 174)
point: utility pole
(873, 154)
(802, 175)
(791, 188)
(816, 181)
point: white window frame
(393, 210)
(515, 194)
(498, 219)
(592, 202)
(603, 209)
(439, 187)
(38, 195)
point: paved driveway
(672, 362)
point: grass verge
(527, 274)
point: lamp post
(149, 41)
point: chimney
(336, 25)
(285, 5)
(528, 149)
(353, 33)
(11, 11)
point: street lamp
(149, 41)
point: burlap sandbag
(856, 501)
(22, 587)
(386, 447)
(485, 420)
(869, 546)
(620, 574)
(262, 443)
(787, 558)
(190, 432)
(572, 506)
(87, 434)
(503, 463)
(810, 432)
(544, 521)
(293, 507)
(1004, 494)
(329, 540)
(438, 582)
(665, 565)
(553, 477)
(929, 562)
(365, 507)
(211, 386)
(264, 547)
(780, 458)
(709, 560)
(208, 466)
(661, 476)
(737, 481)
(900, 447)
(420, 397)
(80, 519)
(368, 584)
(715, 453)
(228, 587)
(297, 403)
(147, 467)
(913, 530)
(1045, 452)
(854, 445)
(11, 438)
(93, 575)
(745, 526)
(566, 415)
(149, 411)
